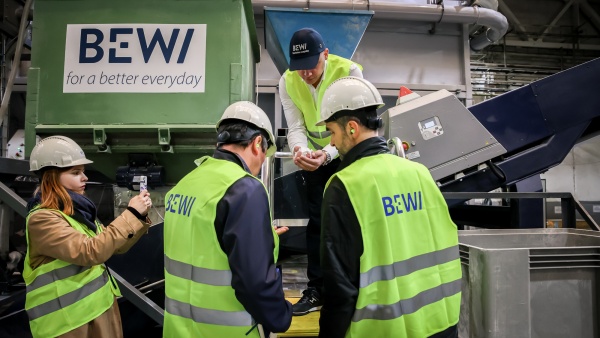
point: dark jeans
(315, 185)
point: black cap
(305, 47)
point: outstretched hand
(309, 161)
(142, 202)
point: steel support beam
(513, 20)
(14, 201)
(590, 13)
(552, 45)
(555, 20)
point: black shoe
(309, 302)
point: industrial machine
(505, 142)
(141, 91)
(437, 131)
(140, 87)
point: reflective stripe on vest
(408, 287)
(69, 298)
(197, 274)
(297, 89)
(208, 316)
(62, 296)
(406, 267)
(54, 275)
(198, 314)
(319, 134)
(408, 306)
(199, 299)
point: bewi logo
(297, 48)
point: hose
(496, 171)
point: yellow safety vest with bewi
(199, 298)
(62, 296)
(297, 89)
(410, 274)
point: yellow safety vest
(200, 301)
(297, 89)
(62, 296)
(410, 274)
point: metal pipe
(283, 154)
(266, 176)
(151, 286)
(389, 9)
(396, 147)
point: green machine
(139, 84)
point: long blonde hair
(53, 194)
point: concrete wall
(578, 173)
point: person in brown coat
(70, 292)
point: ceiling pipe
(495, 23)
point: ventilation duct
(495, 23)
(341, 30)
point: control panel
(431, 128)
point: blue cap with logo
(306, 46)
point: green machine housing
(124, 128)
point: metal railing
(267, 176)
(569, 204)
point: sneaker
(309, 302)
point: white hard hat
(56, 151)
(251, 113)
(348, 93)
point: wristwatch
(327, 157)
